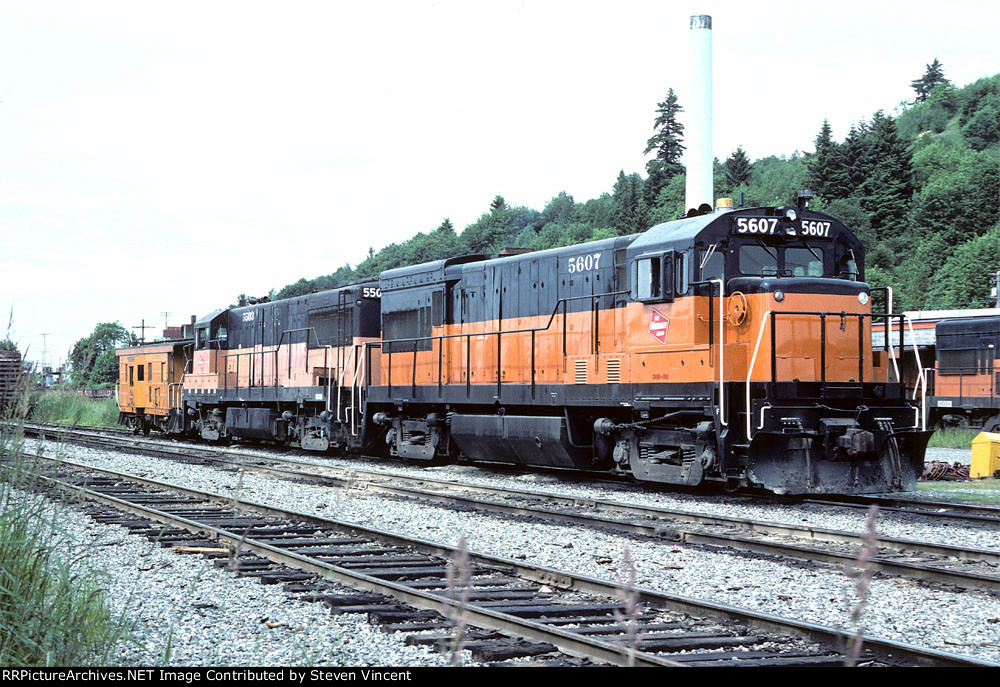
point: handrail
(356, 393)
(722, 352)
(172, 396)
(340, 383)
(753, 362)
(498, 333)
(923, 378)
(771, 315)
(561, 301)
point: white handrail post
(340, 384)
(722, 355)
(920, 368)
(753, 362)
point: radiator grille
(614, 366)
(580, 372)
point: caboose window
(648, 278)
(804, 262)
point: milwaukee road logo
(658, 327)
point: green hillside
(922, 190)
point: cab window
(654, 278)
(758, 261)
(712, 267)
(648, 279)
(804, 262)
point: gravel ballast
(183, 611)
(963, 622)
(891, 524)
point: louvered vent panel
(614, 370)
(580, 370)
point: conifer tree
(667, 144)
(828, 175)
(857, 158)
(931, 78)
(629, 213)
(887, 190)
(738, 168)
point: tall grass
(952, 437)
(53, 611)
(70, 408)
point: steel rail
(565, 640)
(658, 531)
(885, 650)
(919, 507)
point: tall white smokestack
(699, 158)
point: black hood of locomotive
(817, 285)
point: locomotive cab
(771, 305)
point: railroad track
(513, 609)
(974, 513)
(955, 565)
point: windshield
(804, 262)
(769, 261)
(758, 261)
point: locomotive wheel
(736, 308)
(955, 422)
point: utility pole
(44, 349)
(996, 287)
(166, 319)
(142, 331)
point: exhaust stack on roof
(699, 158)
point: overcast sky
(165, 157)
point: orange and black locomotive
(730, 347)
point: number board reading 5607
(772, 226)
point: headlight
(862, 298)
(779, 296)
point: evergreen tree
(931, 78)
(738, 169)
(498, 203)
(857, 158)
(887, 190)
(667, 144)
(828, 175)
(628, 215)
